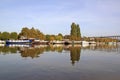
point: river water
(60, 62)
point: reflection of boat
(18, 41)
(1, 45)
(18, 45)
(2, 42)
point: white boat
(85, 43)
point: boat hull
(18, 41)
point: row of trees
(7, 35)
(37, 34)
(54, 37)
(27, 33)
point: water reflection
(31, 52)
(103, 47)
(75, 54)
(8, 50)
(34, 51)
(51, 62)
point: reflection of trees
(75, 50)
(32, 52)
(108, 48)
(35, 52)
(103, 47)
(54, 48)
(75, 54)
(7, 50)
(59, 49)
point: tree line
(27, 33)
(37, 34)
(7, 35)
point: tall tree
(78, 32)
(75, 32)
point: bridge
(112, 37)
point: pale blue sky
(95, 17)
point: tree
(5, 36)
(32, 33)
(0, 35)
(75, 32)
(78, 32)
(25, 32)
(14, 35)
(52, 37)
(58, 37)
(48, 37)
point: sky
(95, 17)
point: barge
(18, 41)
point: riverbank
(27, 43)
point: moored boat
(18, 41)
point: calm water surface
(59, 62)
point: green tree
(58, 37)
(48, 37)
(75, 32)
(52, 37)
(5, 36)
(32, 33)
(25, 32)
(0, 35)
(78, 32)
(14, 35)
